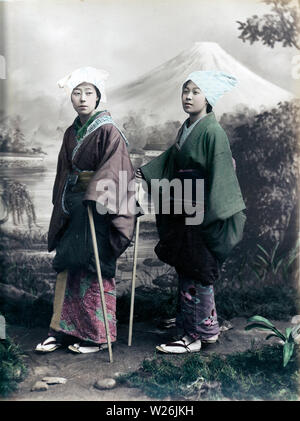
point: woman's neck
(194, 117)
(84, 118)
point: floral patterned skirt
(77, 309)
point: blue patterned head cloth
(212, 83)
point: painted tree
(12, 138)
(266, 150)
(17, 202)
(18, 138)
(281, 26)
(5, 137)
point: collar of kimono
(94, 122)
(82, 129)
(188, 131)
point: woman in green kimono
(93, 150)
(201, 151)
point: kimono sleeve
(222, 236)
(114, 170)
(156, 168)
(224, 197)
(224, 221)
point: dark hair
(98, 95)
(208, 107)
(185, 83)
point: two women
(201, 151)
(93, 150)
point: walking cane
(136, 243)
(94, 239)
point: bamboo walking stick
(94, 239)
(136, 243)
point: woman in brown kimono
(93, 150)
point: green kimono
(206, 149)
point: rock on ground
(296, 319)
(39, 386)
(104, 384)
(54, 380)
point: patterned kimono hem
(78, 309)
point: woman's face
(84, 98)
(193, 99)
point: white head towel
(91, 75)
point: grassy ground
(251, 375)
(12, 367)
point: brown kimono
(104, 151)
(101, 153)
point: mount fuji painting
(156, 94)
